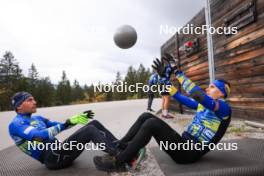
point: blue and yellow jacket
(25, 128)
(208, 125)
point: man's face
(214, 92)
(28, 106)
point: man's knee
(89, 129)
(145, 116)
(95, 123)
(151, 124)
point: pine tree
(11, 79)
(118, 95)
(45, 92)
(33, 73)
(77, 91)
(10, 71)
(33, 80)
(131, 79)
(90, 92)
(142, 76)
(63, 93)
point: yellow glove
(173, 90)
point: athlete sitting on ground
(208, 125)
(26, 128)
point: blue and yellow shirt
(208, 125)
(25, 128)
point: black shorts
(165, 92)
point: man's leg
(166, 104)
(162, 103)
(155, 127)
(94, 131)
(150, 100)
(164, 107)
(136, 126)
(162, 132)
(104, 130)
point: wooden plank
(243, 57)
(201, 54)
(226, 7)
(245, 95)
(246, 112)
(241, 66)
(223, 12)
(242, 16)
(221, 40)
(257, 71)
(248, 108)
(253, 45)
(200, 77)
(235, 99)
(250, 80)
(197, 72)
(192, 66)
(249, 104)
(246, 39)
(255, 88)
(202, 65)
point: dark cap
(19, 98)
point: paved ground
(118, 117)
(247, 160)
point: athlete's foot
(109, 164)
(140, 157)
(167, 116)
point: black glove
(171, 62)
(89, 113)
(159, 67)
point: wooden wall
(239, 58)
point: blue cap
(223, 87)
(19, 98)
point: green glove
(77, 119)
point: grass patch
(236, 129)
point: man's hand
(172, 64)
(80, 118)
(163, 72)
(89, 114)
(159, 67)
